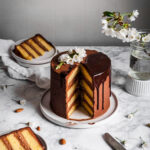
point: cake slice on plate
(22, 139)
(33, 47)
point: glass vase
(140, 60)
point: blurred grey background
(65, 22)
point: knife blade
(112, 142)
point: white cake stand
(79, 118)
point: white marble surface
(79, 139)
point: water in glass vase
(140, 64)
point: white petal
(132, 18)
(135, 13)
(22, 102)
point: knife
(112, 142)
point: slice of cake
(33, 47)
(22, 139)
(80, 78)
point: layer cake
(86, 83)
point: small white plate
(83, 118)
(42, 60)
(38, 136)
(34, 65)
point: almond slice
(19, 110)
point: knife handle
(112, 142)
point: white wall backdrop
(65, 22)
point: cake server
(112, 142)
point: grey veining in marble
(79, 139)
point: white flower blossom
(110, 32)
(104, 21)
(132, 34)
(104, 24)
(126, 35)
(70, 51)
(80, 51)
(146, 38)
(132, 18)
(63, 57)
(77, 58)
(134, 15)
(78, 55)
(22, 102)
(122, 34)
(69, 61)
(130, 116)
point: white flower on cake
(63, 58)
(73, 56)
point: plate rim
(76, 123)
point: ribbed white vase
(138, 87)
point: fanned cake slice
(22, 139)
(33, 47)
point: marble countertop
(79, 139)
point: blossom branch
(118, 25)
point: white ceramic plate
(79, 114)
(45, 59)
(34, 65)
(39, 137)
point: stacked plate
(42, 61)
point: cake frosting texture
(86, 84)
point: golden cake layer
(33, 47)
(22, 139)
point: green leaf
(108, 13)
(59, 65)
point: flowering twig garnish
(123, 142)
(72, 56)
(131, 115)
(143, 143)
(116, 24)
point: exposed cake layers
(23, 139)
(33, 47)
(86, 83)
